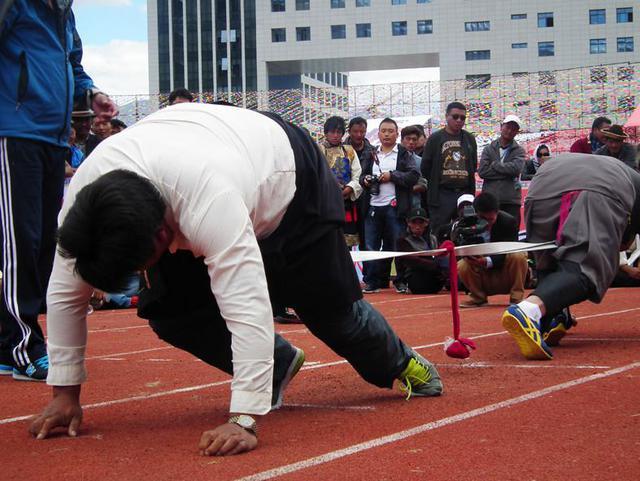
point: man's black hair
(357, 121)
(389, 120)
(182, 93)
(118, 123)
(110, 228)
(486, 202)
(223, 102)
(334, 123)
(599, 122)
(420, 127)
(455, 105)
(410, 130)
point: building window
(598, 17)
(425, 26)
(278, 35)
(337, 3)
(398, 28)
(479, 81)
(278, 5)
(303, 4)
(398, 2)
(363, 3)
(479, 110)
(599, 104)
(626, 103)
(626, 72)
(624, 15)
(423, 1)
(547, 78)
(303, 34)
(338, 31)
(598, 45)
(598, 75)
(519, 45)
(548, 109)
(363, 30)
(545, 19)
(478, 54)
(546, 49)
(483, 26)
(518, 16)
(625, 44)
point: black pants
(183, 312)
(562, 287)
(32, 182)
(513, 210)
(424, 281)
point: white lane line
(600, 339)
(117, 329)
(327, 406)
(205, 386)
(602, 314)
(141, 351)
(392, 438)
(486, 365)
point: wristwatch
(245, 422)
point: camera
(468, 229)
(374, 184)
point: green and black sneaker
(420, 378)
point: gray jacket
(502, 177)
(627, 154)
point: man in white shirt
(227, 210)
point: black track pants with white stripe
(31, 184)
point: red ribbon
(457, 347)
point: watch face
(246, 421)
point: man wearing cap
(500, 166)
(423, 274)
(615, 146)
(496, 274)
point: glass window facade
(398, 29)
(518, 16)
(164, 60)
(177, 25)
(545, 19)
(278, 35)
(478, 55)
(425, 27)
(278, 5)
(519, 45)
(303, 34)
(598, 17)
(337, 4)
(303, 4)
(546, 49)
(363, 3)
(598, 45)
(338, 31)
(625, 44)
(363, 30)
(482, 26)
(624, 15)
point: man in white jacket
(226, 210)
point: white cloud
(393, 76)
(102, 3)
(119, 67)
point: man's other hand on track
(64, 410)
(226, 440)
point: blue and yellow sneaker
(558, 327)
(526, 333)
(420, 378)
(34, 371)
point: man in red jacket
(589, 145)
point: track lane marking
(392, 438)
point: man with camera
(497, 274)
(389, 176)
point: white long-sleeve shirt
(227, 176)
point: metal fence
(545, 101)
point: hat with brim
(614, 132)
(83, 114)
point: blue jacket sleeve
(82, 81)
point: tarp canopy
(634, 120)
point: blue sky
(100, 21)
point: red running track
(501, 417)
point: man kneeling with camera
(497, 274)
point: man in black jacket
(449, 163)
(389, 176)
(497, 274)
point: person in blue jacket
(40, 77)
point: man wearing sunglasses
(449, 163)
